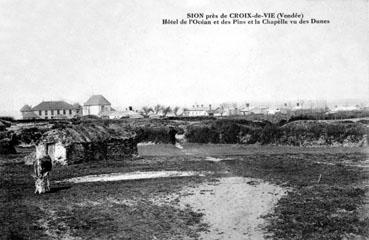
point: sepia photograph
(191, 119)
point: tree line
(161, 110)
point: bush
(202, 134)
(6, 118)
(270, 134)
(156, 134)
(230, 133)
(364, 121)
(7, 146)
(340, 132)
(30, 135)
(296, 133)
(225, 131)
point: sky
(71, 49)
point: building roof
(97, 100)
(26, 108)
(30, 115)
(77, 106)
(87, 133)
(52, 105)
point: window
(52, 112)
(70, 111)
(39, 112)
(64, 112)
(57, 112)
(46, 118)
(46, 112)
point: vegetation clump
(297, 133)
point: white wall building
(51, 110)
(197, 110)
(96, 105)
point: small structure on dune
(87, 142)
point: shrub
(7, 118)
(364, 121)
(30, 135)
(202, 134)
(230, 133)
(270, 134)
(156, 134)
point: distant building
(97, 105)
(255, 110)
(227, 109)
(197, 110)
(28, 114)
(51, 110)
(230, 111)
(121, 114)
(273, 111)
(345, 108)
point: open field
(325, 195)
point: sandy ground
(233, 206)
(132, 176)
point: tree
(166, 110)
(185, 110)
(146, 111)
(157, 109)
(222, 108)
(175, 110)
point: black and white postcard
(191, 119)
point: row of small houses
(99, 106)
(229, 110)
(201, 110)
